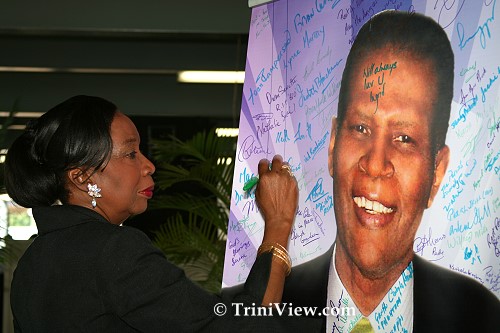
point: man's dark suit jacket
(444, 301)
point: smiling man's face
(381, 160)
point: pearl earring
(94, 192)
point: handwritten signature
(250, 147)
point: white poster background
(296, 55)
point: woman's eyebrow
(129, 141)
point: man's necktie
(363, 326)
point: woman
(86, 273)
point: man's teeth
(372, 207)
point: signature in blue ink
(471, 166)
(263, 116)
(282, 136)
(455, 183)
(264, 76)
(464, 111)
(325, 205)
(319, 222)
(488, 85)
(481, 30)
(490, 162)
(284, 110)
(317, 193)
(492, 279)
(250, 147)
(298, 136)
(289, 61)
(245, 225)
(323, 81)
(265, 127)
(299, 21)
(250, 207)
(318, 146)
(493, 238)
(466, 272)
(448, 5)
(321, 4)
(420, 243)
(469, 254)
(303, 238)
(307, 94)
(308, 39)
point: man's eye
(360, 129)
(404, 139)
(132, 155)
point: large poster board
(296, 55)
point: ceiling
(126, 51)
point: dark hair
(73, 134)
(418, 36)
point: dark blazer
(83, 274)
(444, 301)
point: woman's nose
(149, 167)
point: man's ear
(441, 164)
(333, 133)
(78, 178)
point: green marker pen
(249, 184)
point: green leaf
(198, 189)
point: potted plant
(195, 182)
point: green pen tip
(249, 184)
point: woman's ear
(332, 145)
(441, 164)
(78, 178)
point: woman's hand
(277, 197)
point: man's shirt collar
(393, 314)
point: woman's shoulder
(80, 225)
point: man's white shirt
(393, 314)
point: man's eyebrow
(405, 123)
(363, 115)
(400, 123)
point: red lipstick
(148, 192)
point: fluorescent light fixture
(142, 71)
(224, 160)
(16, 127)
(19, 114)
(227, 132)
(3, 152)
(211, 76)
(16, 69)
(22, 114)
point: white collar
(393, 314)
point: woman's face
(125, 182)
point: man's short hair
(418, 36)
